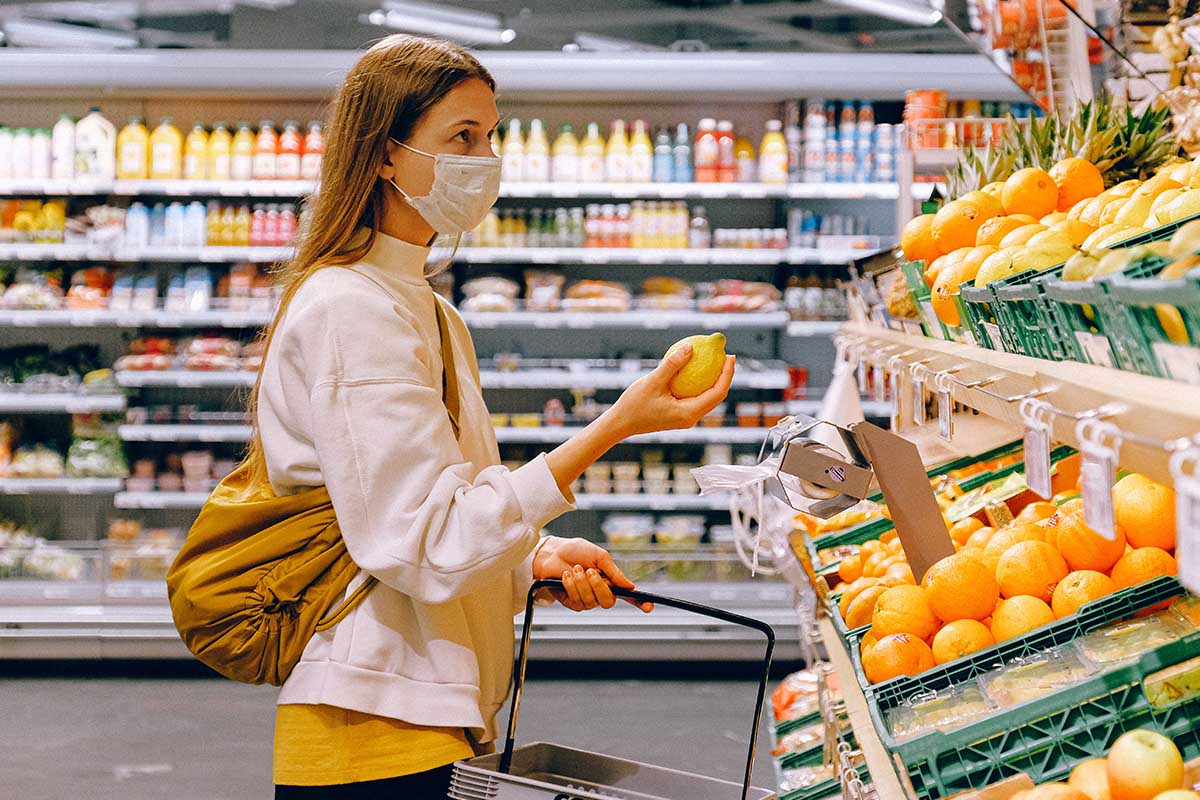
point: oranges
(1030, 568)
(1079, 587)
(1145, 511)
(1076, 179)
(950, 278)
(862, 607)
(979, 539)
(1018, 615)
(959, 638)
(962, 530)
(1083, 548)
(894, 655)
(1141, 565)
(916, 240)
(1006, 538)
(850, 568)
(1030, 191)
(904, 609)
(956, 223)
(960, 587)
(852, 591)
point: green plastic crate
(932, 327)
(1046, 737)
(975, 308)
(789, 725)
(1025, 326)
(1137, 299)
(972, 321)
(807, 758)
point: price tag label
(1096, 348)
(918, 400)
(945, 415)
(993, 334)
(861, 375)
(878, 383)
(893, 392)
(1037, 447)
(1097, 471)
(1185, 469)
(1179, 362)
(911, 327)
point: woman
(351, 396)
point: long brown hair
(384, 95)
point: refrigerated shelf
(29, 486)
(60, 403)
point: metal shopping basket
(542, 771)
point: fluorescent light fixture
(469, 34)
(458, 16)
(595, 43)
(909, 13)
(37, 33)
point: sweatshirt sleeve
(412, 510)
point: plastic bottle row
(214, 225)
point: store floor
(208, 739)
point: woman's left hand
(586, 570)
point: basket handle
(640, 597)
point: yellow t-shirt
(323, 745)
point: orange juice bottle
(241, 161)
(616, 154)
(220, 149)
(641, 154)
(195, 154)
(241, 226)
(266, 152)
(166, 152)
(291, 144)
(773, 154)
(591, 155)
(133, 151)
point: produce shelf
(22, 486)
(557, 434)
(59, 402)
(105, 318)
(1158, 410)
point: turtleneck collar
(397, 259)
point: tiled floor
(206, 739)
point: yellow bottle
(743, 157)
(241, 160)
(133, 151)
(537, 154)
(241, 226)
(166, 152)
(195, 154)
(591, 155)
(773, 154)
(616, 154)
(213, 224)
(564, 160)
(228, 227)
(220, 149)
(641, 154)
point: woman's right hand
(648, 405)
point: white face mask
(464, 190)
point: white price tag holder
(1100, 443)
(878, 381)
(943, 382)
(1185, 470)
(860, 366)
(1036, 416)
(919, 374)
(895, 383)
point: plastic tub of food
(599, 470)
(628, 530)
(657, 487)
(626, 470)
(626, 486)
(656, 472)
(685, 529)
(597, 486)
(197, 464)
(749, 415)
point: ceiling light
(912, 14)
(469, 34)
(36, 33)
(433, 11)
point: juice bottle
(22, 153)
(133, 151)
(287, 158)
(195, 154)
(512, 153)
(241, 226)
(743, 156)
(726, 149)
(641, 154)
(773, 154)
(241, 159)
(287, 224)
(681, 154)
(228, 227)
(220, 149)
(166, 152)
(591, 155)
(40, 168)
(616, 154)
(62, 149)
(95, 147)
(266, 151)
(6, 165)
(212, 223)
(564, 160)
(314, 150)
(847, 122)
(537, 154)
(664, 160)
(708, 152)
(258, 221)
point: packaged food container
(1029, 678)
(716, 417)
(137, 415)
(626, 470)
(626, 486)
(773, 412)
(170, 482)
(749, 415)
(718, 454)
(499, 420)
(656, 472)
(140, 485)
(601, 469)
(680, 529)
(1189, 608)
(685, 483)
(197, 465)
(1123, 642)
(144, 468)
(597, 486)
(197, 487)
(625, 530)
(945, 711)
(657, 487)
(527, 420)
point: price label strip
(1185, 469)
(1036, 416)
(945, 405)
(1097, 472)
(919, 373)
(895, 365)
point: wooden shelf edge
(1154, 408)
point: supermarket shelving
(478, 255)
(186, 379)
(520, 190)
(184, 433)
(25, 486)
(803, 328)
(59, 402)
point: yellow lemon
(703, 369)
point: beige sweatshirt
(351, 398)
